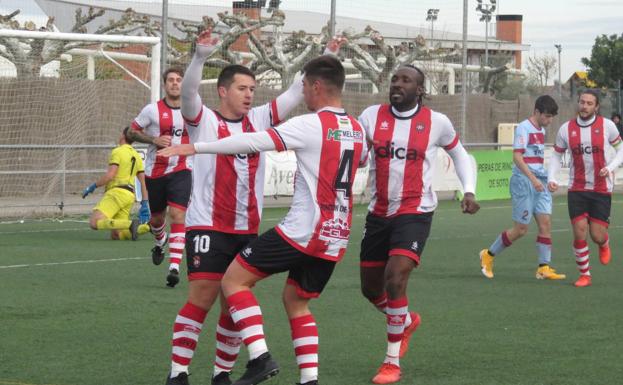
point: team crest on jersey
(165, 115)
(521, 141)
(384, 125)
(196, 261)
(574, 134)
(597, 131)
(334, 229)
(420, 127)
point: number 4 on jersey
(343, 179)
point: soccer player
(222, 217)
(590, 178)
(312, 238)
(405, 137)
(113, 210)
(529, 193)
(169, 180)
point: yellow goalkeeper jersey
(130, 163)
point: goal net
(61, 115)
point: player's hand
(334, 45)
(538, 186)
(182, 149)
(604, 172)
(163, 141)
(469, 204)
(88, 190)
(143, 212)
(552, 186)
(205, 43)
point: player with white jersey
(169, 180)
(406, 136)
(529, 193)
(312, 238)
(590, 178)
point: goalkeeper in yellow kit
(113, 210)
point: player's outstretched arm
(191, 101)
(235, 144)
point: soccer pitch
(79, 309)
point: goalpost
(58, 126)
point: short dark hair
(172, 70)
(326, 68)
(128, 140)
(226, 77)
(421, 82)
(545, 104)
(590, 91)
(615, 115)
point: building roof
(311, 22)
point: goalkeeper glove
(88, 190)
(143, 212)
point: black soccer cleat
(312, 382)
(221, 379)
(258, 370)
(157, 253)
(173, 278)
(134, 229)
(181, 379)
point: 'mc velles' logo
(344, 135)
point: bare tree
(542, 68)
(29, 55)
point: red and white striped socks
(177, 241)
(580, 248)
(247, 316)
(381, 305)
(305, 341)
(159, 234)
(186, 330)
(396, 313)
(227, 344)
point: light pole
(486, 10)
(431, 15)
(559, 48)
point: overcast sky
(572, 23)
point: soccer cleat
(312, 382)
(134, 229)
(486, 263)
(387, 374)
(604, 255)
(173, 278)
(157, 253)
(181, 379)
(221, 379)
(547, 272)
(583, 281)
(404, 344)
(258, 370)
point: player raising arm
(590, 178)
(313, 236)
(113, 211)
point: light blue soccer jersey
(530, 141)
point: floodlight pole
(559, 49)
(464, 82)
(332, 19)
(431, 15)
(164, 32)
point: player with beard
(590, 178)
(405, 136)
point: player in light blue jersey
(529, 193)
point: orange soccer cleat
(404, 344)
(387, 374)
(583, 281)
(604, 254)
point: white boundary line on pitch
(71, 262)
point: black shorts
(271, 254)
(591, 205)
(404, 234)
(209, 253)
(169, 190)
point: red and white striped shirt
(227, 192)
(158, 119)
(587, 142)
(329, 146)
(402, 163)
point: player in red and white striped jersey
(406, 136)
(590, 178)
(312, 238)
(168, 181)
